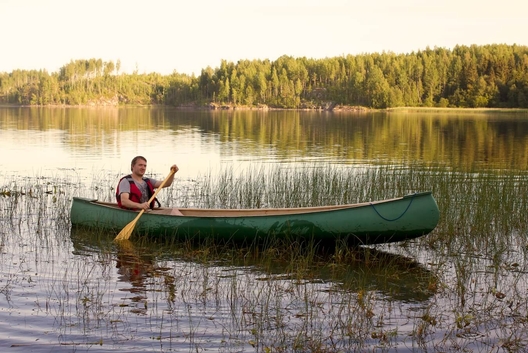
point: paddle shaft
(172, 172)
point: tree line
(494, 76)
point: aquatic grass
(287, 187)
(461, 286)
(483, 210)
(482, 226)
(471, 204)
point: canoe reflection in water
(139, 269)
(149, 265)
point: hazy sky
(186, 36)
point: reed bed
(461, 288)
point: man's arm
(169, 180)
(126, 202)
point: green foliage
(467, 76)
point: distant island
(485, 76)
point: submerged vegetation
(491, 76)
(461, 288)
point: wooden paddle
(126, 232)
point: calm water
(67, 291)
(47, 141)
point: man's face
(140, 167)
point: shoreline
(331, 109)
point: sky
(167, 36)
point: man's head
(138, 165)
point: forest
(476, 76)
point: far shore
(456, 109)
(328, 108)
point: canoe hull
(386, 221)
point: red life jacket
(135, 193)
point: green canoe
(366, 223)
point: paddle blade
(126, 232)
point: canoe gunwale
(261, 212)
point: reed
(461, 286)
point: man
(134, 190)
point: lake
(461, 288)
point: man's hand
(143, 206)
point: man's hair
(135, 159)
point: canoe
(366, 223)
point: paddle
(126, 232)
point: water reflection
(138, 268)
(234, 299)
(395, 277)
(60, 300)
(94, 136)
